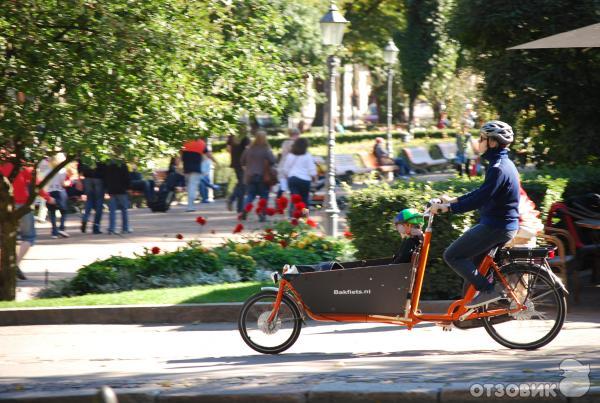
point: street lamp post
(390, 57)
(332, 28)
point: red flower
(282, 203)
(283, 243)
(259, 210)
(179, 236)
(268, 230)
(249, 207)
(155, 250)
(269, 237)
(297, 214)
(311, 222)
(294, 221)
(262, 203)
(270, 211)
(201, 220)
(348, 234)
(280, 211)
(296, 198)
(300, 206)
(238, 228)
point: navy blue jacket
(498, 197)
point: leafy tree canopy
(549, 92)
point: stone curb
(334, 392)
(141, 314)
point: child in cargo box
(408, 222)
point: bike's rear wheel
(264, 336)
(543, 319)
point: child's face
(404, 229)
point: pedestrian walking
(257, 160)
(300, 170)
(236, 144)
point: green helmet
(409, 216)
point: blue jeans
(94, 191)
(61, 205)
(477, 241)
(257, 187)
(118, 202)
(192, 182)
(239, 191)
(299, 187)
(27, 231)
(404, 168)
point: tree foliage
(551, 93)
(426, 51)
(131, 78)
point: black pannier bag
(372, 287)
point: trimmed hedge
(321, 138)
(371, 212)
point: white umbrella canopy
(586, 37)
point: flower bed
(287, 241)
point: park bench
(346, 166)
(420, 160)
(370, 161)
(445, 150)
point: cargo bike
(381, 291)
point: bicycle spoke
(541, 295)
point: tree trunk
(8, 236)
(412, 97)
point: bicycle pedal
(446, 326)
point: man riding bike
(497, 200)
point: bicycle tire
(561, 305)
(243, 321)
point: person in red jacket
(26, 223)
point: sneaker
(54, 236)
(112, 232)
(486, 297)
(190, 210)
(63, 233)
(97, 232)
(127, 231)
(20, 274)
(83, 226)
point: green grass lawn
(233, 292)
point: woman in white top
(300, 169)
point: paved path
(214, 358)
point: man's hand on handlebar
(448, 199)
(439, 207)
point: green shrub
(285, 243)
(316, 139)
(371, 213)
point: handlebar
(427, 211)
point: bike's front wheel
(262, 335)
(537, 325)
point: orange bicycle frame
(456, 310)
